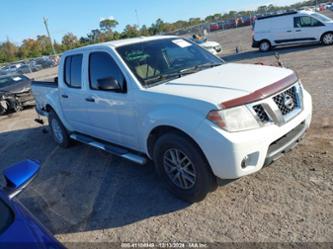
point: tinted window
(306, 21)
(101, 66)
(73, 70)
(6, 217)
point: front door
(307, 29)
(110, 112)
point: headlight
(234, 119)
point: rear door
(72, 93)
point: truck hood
(223, 83)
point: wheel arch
(49, 107)
(158, 131)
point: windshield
(154, 62)
(9, 80)
(321, 17)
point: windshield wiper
(159, 79)
(199, 67)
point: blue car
(18, 228)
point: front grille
(262, 115)
(287, 100)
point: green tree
(94, 35)
(194, 21)
(70, 41)
(144, 31)
(44, 44)
(209, 18)
(107, 25)
(130, 31)
(29, 49)
(8, 51)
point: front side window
(73, 71)
(102, 66)
(306, 22)
(154, 62)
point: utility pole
(49, 35)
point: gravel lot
(83, 194)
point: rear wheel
(265, 46)
(327, 39)
(59, 132)
(182, 166)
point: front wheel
(183, 167)
(327, 39)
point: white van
(292, 28)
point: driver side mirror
(108, 84)
(19, 175)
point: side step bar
(112, 149)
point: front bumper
(226, 151)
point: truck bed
(45, 83)
(43, 92)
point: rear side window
(101, 66)
(306, 22)
(73, 70)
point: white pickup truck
(167, 99)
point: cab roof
(123, 42)
(288, 13)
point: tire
(189, 187)
(59, 132)
(327, 39)
(2, 111)
(265, 46)
(3, 108)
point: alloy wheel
(179, 169)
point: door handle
(298, 30)
(289, 31)
(64, 96)
(90, 99)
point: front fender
(183, 119)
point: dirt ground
(83, 194)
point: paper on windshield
(181, 43)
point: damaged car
(15, 93)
